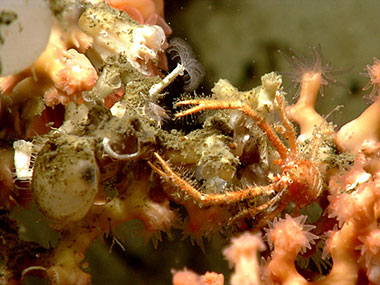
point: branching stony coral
(246, 169)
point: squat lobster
(300, 180)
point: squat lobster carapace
(300, 179)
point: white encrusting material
(157, 88)
(22, 159)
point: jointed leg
(252, 212)
(227, 198)
(237, 105)
(291, 134)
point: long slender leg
(219, 104)
(252, 212)
(291, 134)
(227, 198)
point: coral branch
(361, 131)
(242, 254)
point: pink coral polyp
(291, 233)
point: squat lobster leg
(300, 179)
(224, 199)
(246, 109)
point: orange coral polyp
(304, 66)
(291, 234)
(311, 74)
(374, 71)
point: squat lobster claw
(300, 181)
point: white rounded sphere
(24, 32)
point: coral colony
(87, 115)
